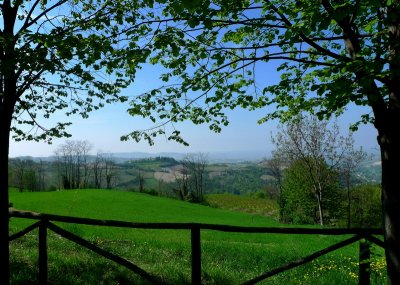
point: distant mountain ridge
(213, 157)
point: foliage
(366, 209)
(191, 177)
(297, 204)
(235, 178)
(327, 54)
(344, 51)
(300, 205)
(320, 150)
(62, 56)
(155, 164)
(67, 56)
(239, 179)
(72, 163)
(26, 174)
(330, 54)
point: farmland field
(227, 258)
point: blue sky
(104, 128)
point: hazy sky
(104, 128)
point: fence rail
(45, 223)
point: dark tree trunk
(389, 141)
(7, 104)
(390, 156)
(8, 99)
(4, 202)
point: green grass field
(246, 204)
(227, 258)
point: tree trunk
(348, 203)
(390, 156)
(389, 142)
(4, 202)
(319, 200)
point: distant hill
(226, 172)
(213, 157)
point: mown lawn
(227, 258)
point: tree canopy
(319, 150)
(66, 55)
(329, 54)
(76, 56)
(300, 205)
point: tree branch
(27, 24)
(304, 37)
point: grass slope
(228, 258)
(246, 204)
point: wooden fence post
(364, 263)
(196, 256)
(43, 273)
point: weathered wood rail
(45, 223)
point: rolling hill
(227, 258)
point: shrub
(366, 206)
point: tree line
(73, 167)
(314, 167)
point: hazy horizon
(104, 127)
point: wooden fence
(45, 223)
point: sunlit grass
(246, 204)
(227, 258)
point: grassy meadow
(227, 258)
(246, 204)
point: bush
(259, 195)
(365, 206)
(152, 192)
(52, 188)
